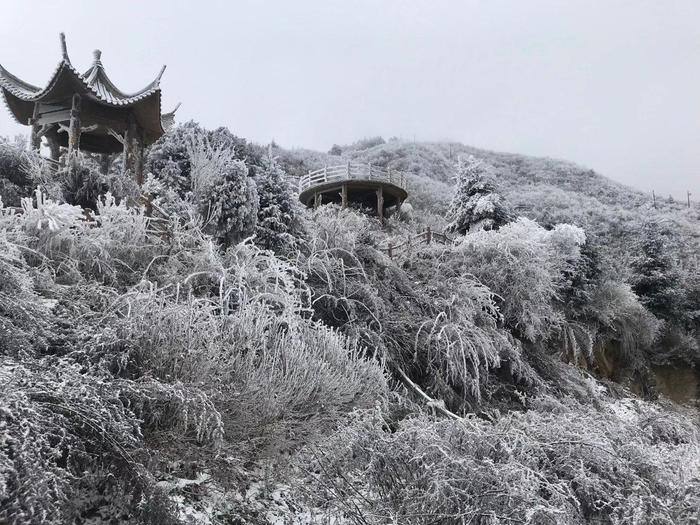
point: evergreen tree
(656, 277)
(168, 158)
(231, 210)
(169, 161)
(475, 204)
(279, 226)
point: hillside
(203, 350)
(547, 190)
(518, 174)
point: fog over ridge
(612, 86)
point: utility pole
(688, 192)
(653, 196)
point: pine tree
(168, 159)
(475, 204)
(656, 277)
(279, 226)
(232, 207)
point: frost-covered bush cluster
(209, 352)
(119, 343)
(228, 184)
(559, 462)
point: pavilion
(86, 111)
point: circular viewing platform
(362, 184)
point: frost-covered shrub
(70, 449)
(23, 317)
(208, 163)
(367, 143)
(16, 173)
(110, 248)
(525, 266)
(296, 380)
(619, 315)
(272, 374)
(338, 228)
(462, 345)
(81, 181)
(49, 214)
(342, 293)
(267, 375)
(443, 334)
(559, 462)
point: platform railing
(352, 171)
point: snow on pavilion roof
(94, 81)
(94, 84)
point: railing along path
(352, 171)
(425, 237)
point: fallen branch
(438, 405)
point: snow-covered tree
(656, 277)
(475, 204)
(279, 226)
(232, 207)
(168, 159)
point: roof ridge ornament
(156, 82)
(64, 48)
(97, 55)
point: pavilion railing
(352, 171)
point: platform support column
(344, 195)
(380, 204)
(317, 200)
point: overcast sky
(612, 85)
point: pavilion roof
(94, 85)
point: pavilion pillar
(128, 144)
(138, 155)
(344, 195)
(54, 148)
(380, 204)
(74, 129)
(105, 162)
(36, 137)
